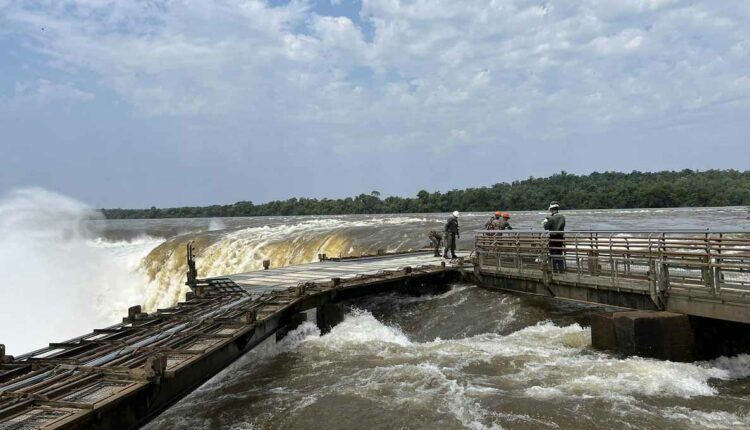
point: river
(467, 358)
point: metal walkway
(696, 273)
(123, 375)
(266, 281)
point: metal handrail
(692, 231)
(695, 262)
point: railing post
(612, 267)
(519, 260)
(706, 271)
(192, 273)
(717, 266)
(628, 257)
(578, 258)
(548, 271)
(593, 255)
(664, 266)
(653, 284)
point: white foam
(557, 361)
(420, 385)
(360, 330)
(707, 419)
(216, 224)
(58, 280)
(736, 367)
(267, 349)
(538, 392)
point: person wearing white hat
(451, 233)
(556, 223)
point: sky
(171, 103)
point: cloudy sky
(170, 102)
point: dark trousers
(556, 251)
(436, 242)
(450, 243)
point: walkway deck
(266, 281)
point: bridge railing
(686, 262)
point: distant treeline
(594, 191)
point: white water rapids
(542, 375)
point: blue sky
(140, 103)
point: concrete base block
(328, 315)
(603, 331)
(714, 338)
(655, 334)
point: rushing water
(468, 358)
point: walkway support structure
(704, 274)
(692, 285)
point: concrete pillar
(714, 338)
(300, 290)
(328, 316)
(655, 334)
(293, 323)
(249, 317)
(603, 331)
(133, 312)
(4, 358)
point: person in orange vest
(492, 222)
(503, 223)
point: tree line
(595, 191)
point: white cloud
(469, 71)
(42, 92)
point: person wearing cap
(451, 234)
(554, 223)
(493, 221)
(502, 223)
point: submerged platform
(122, 376)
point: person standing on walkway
(451, 234)
(555, 223)
(437, 240)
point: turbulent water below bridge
(468, 358)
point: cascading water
(78, 271)
(59, 279)
(283, 241)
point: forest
(686, 188)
